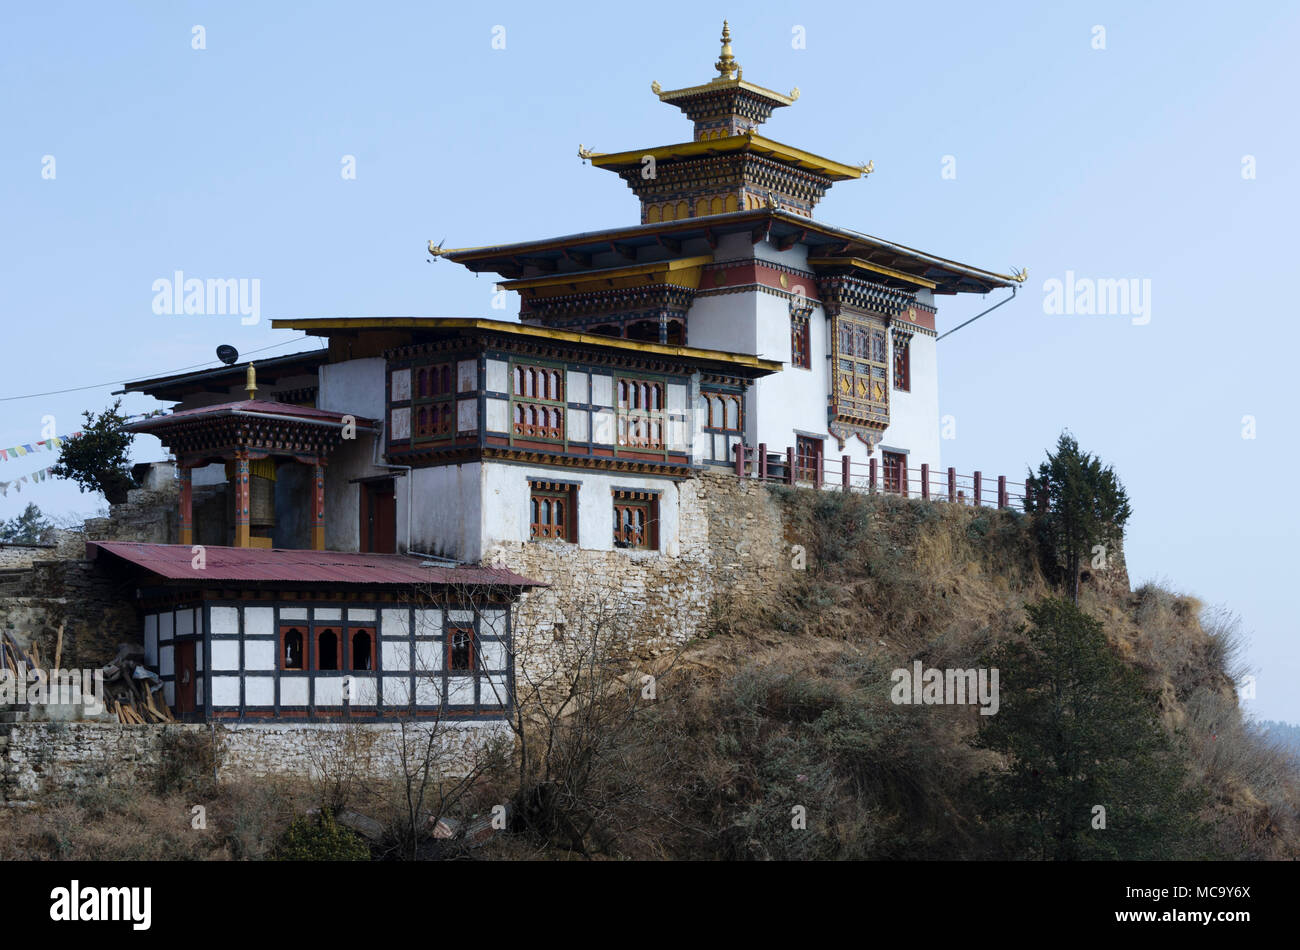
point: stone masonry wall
(37, 758)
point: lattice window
(808, 457)
(800, 345)
(552, 510)
(641, 421)
(538, 403)
(903, 361)
(895, 466)
(722, 418)
(861, 389)
(433, 389)
(636, 519)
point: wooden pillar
(789, 465)
(1002, 491)
(952, 484)
(902, 476)
(187, 504)
(844, 472)
(740, 459)
(318, 507)
(979, 480)
(873, 475)
(925, 480)
(762, 461)
(242, 533)
(819, 463)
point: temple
(723, 320)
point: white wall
(447, 511)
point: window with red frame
(808, 457)
(552, 511)
(800, 346)
(895, 466)
(460, 650)
(902, 362)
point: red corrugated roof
(175, 562)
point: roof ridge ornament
(726, 64)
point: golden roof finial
(726, 64)
(250, 384)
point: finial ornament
(584, 152)
(794, 93)
(435, 249)
(250, 381)
(726, 64)
(868, 168)
(656, 88)
(1020, 276)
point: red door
(379, 517)
(184, 677)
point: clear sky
(1122, 162)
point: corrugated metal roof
(175, 562)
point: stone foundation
(36, 758)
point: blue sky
(1122, 162)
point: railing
(976, 489)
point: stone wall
(96, 609)
(731, 549)
(37, 758)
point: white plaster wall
(446, 511)
(355, 386)
(506, 510)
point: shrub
(319, 838)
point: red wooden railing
(975, 489)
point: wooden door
(185, 677)
(379, 517)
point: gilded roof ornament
(656, 88)
(435, 250)
(726, 64)
(868, 168)
(584, 152)
(1020, 276)
(794, 93)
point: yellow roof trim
(719, 84)
(733, 143)
(876, 268)
(610, 273)
(310, 325)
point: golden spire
(726, 64)
(250, 384)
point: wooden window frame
(473, 669)
(806, 466)
(902, 362)
(553, 491)
(537, 401)
(643, 501)
(351, 666)
(800, 338)
(893, 467)
(652, 420)
(860, 371)
(286, 628)
(433, 406)
(337, 630)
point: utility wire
(77, 389)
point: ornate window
(552, 511)
(902, 361)
(861, 388)
(636, 519)
(722, 419)
(800, 346)
(641, 422)
(433, 389)
(538, 401)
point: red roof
(255, 406)
(175, 562)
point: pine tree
(1080, 729)
(31, 527)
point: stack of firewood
(127, 696)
